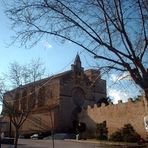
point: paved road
(28, 143)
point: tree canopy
(115, 32)
(22, 74)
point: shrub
(117, 136)
(101, 131)
(126, 134)
(129, 134)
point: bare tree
(2, 86)
(15, 71)
(11, 110)
(115, 31)
(23, 74)
(16, 117)
(36, 70)
(19, 75)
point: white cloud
(113, 77)
(117, 95)
(118, 77)
(46, 44)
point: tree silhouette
(114, 31)
(16, 116)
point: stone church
(55, 102)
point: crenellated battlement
(116, 115)
(111, 105)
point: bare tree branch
(113, 31)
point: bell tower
(77, 61)
(77, 65)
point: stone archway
(78, 97)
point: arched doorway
(78, 97)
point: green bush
(129, 134)
(117, 136)
(101, 131)
(126, 134)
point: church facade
(56, 101)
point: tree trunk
(0, 140)
(16, 137)
(52, 128)
(146, 100)
(10, 127)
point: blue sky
(57, 57)
(54, 54)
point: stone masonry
(115, 115)
(58, 98)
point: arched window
(17, 95)
(41, 96)
(24, 100)
(31, 98)
(78, 96)
(16, 101)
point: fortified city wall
(115, 115)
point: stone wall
(116, 116)
(35, 123)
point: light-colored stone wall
(66, 91)
(89, 89)
(116, 116)
(35, 123)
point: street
(28, 143)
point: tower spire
(77, 61)
(77, 64)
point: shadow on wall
(116, 116)
(90, 131)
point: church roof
(49, 79)
(42, 81)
